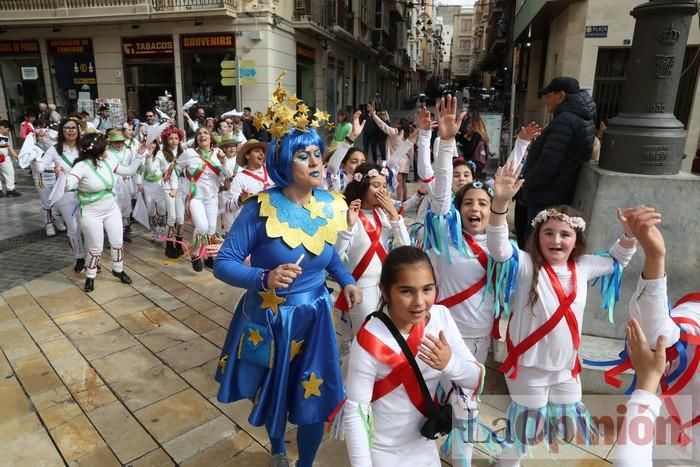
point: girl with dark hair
(365, 243)
(342, 127)
(163, 164)
(395, 136)
(93, 177)
(549, 292)
(281, 348)
(62, 155)
(206, 169)
(345, 158)
(382, 414)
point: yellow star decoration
(277, 131)
(295, 349)
(315, 124)
(311, 387)
(222, 362)
(330, 126)
(258, 121)
(303, 108)
(255, 337)
(293, 100)
(301, 122)
(271, 300)
(322, 116)
(315, 208)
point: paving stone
(124, 435)
(200, 438)
(157, 458)
(100, 457)
(176, 415)
(36, 375)
(129, 362)
(128, 305)
(76, 438)
(142, 389)
(60, 413)
(97, 323)
(93, 398)
(15, 341)
(15, 404)
(189, 354)
(202, 378)
(25, 443)
(99, 345)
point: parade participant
(230, 144)
(373, 224)
(549, 289)
(130, 141)
(44, 180)
(681, 330)
(394, 138)
(280, 350)
(164, 163)
(61, 157)
(251, 179)
(27, 125)
(342, 127)
(385, 408)
(93, 176)
(7, 153)
(119, 154)
(103, 120)
(205, 167)
(345, 158)
(151, 122)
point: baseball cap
(561, 83)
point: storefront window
(149, 72)
(306, 74)
(73, 73)
(209, 74)
(22, 79)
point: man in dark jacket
(555, 158)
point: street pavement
(124, 375)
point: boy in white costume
(7, 153)
(119, 153)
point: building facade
(446, 17)
(591, 40)
(336, 53)
(462, 61)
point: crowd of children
(416, 323)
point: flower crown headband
(358, 177)
(285, 113)
(172, 130)
(575, 222)
(479, 185)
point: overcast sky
(456, 2)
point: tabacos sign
(147, 47)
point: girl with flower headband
(93, 177)
(374, 225)
(549, 286)
(206, 169)
(281, 349)
(164, 164)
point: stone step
(592, 348)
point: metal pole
(516, 53)
(239, 93)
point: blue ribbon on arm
(609, 286)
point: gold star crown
(285, 112)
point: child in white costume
(542, 364)
(681, 330)
(163, 164)
(119, 153)
(230, 144)
(251, 179)
(373, 222)
(62, 155)
(205, 168)
(383, 414)
(93, 176)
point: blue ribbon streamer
(609, 286)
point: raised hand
(423, 119)
(357, 127)
(507, 182)
(435, 351)
(649, 366)
(641, 222)
(530, 132)
(448, 120)
(353, 212)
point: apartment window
(466, 25)
(463, 64)
(463, 44)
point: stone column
(645, 137)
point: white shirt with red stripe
(355, 242)
(397, 422)
(474, 315)
(250, 182)
(649, 306)
(555, 351)
(209, 181)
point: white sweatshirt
(397, 422)
(159, 165)
(636, 449)
(209, 181)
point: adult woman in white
(62, 155)
(93, 177)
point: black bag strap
(409, 356)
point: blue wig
(279, 160)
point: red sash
(465, 294)
(264, 181)
(564, 311)
(374, 232)
(207, 163)
(401, 371)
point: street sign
(228, 64)
(247, 72)
(228, 73)
(228, 81)
(597, 31)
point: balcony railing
(317, 12)
(345, 17)
(51, 10)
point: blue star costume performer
(281, 349)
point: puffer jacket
(555, 158)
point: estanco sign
(148, 47)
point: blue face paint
(303, 157)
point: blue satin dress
(301, 382)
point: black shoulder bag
(439, 420)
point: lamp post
(646, 137)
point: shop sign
(208, 41)
(19, 47)
(148, 47)
(69, 46)
(597, 31)
(30, 73)
(305, 52)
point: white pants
(123, 190)
(154, 198)
(67, 205)
(95, 219)
(204, 213)
(479, 347)
(180, 208)
(44, 182)
(226, 214)
(170, 208)
(8, 174)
